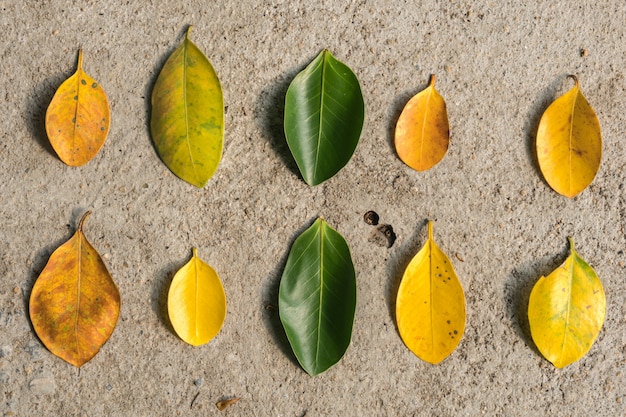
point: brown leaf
(224, 404)
(75, 304)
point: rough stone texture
(498, 64)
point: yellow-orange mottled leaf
(422, 131)
(569, 143)
(566, 311)
(75, 304)
(196, 302)
(77, 119)
(430, 308)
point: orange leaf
(423, 132)
(75, 304)
(77, 119)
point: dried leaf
(317, 297)
(430, 307)
(422, 131)
(196, 302)
(569, 143)
(187, 123)
(224, 404)
(566, 311)
(77, 119)
(324, 113)
(75, 304)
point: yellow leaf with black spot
(569, 143)
(430, 307)
(78, 118)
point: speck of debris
(583, 52)
(198, 382)
(371, 218)
(224, 404)
(383, 236)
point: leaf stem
(433, 78)
(83, 219)
(571, 244)
(80, 59)
(430, 229)
(188, 31)
(575, 78)
(194, 252)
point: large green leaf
(323, 117)
(188, 115)
(317, 297)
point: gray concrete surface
(498, 65)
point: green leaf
(324, 114)
(317, 297)
(188, 115)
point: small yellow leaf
(75, 304)
(569, 143)
(423, 132)
(430, 308)
(196, 302)
(566, 311)
(78, 117)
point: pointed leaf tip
(83, 219)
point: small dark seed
(371, 218)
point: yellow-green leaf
(422, 131)
(78, 118)
(566, 311)
(187, 121)
(430, 308)
(196, 302)
(75, 304)
(569, 143)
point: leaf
(196, 302)
(78, 118)
(75, 304)
(569, 143)
(566, 311)
(187, 122)
(324, 113)
(422, 131)
(317, 297)
(430, 308)
(224, 404)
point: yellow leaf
(430, 308)
(569, 143)
(187, 122)
(196, 302)
(77, 119)
(423, 132)
(75, 304)
(566, 311)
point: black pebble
(371, 217)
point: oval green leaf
(187, 123)
(566, 311)
(317, 297)
(324, 114)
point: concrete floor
(498, 65)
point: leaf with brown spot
(78, 117)
(569, 143)
(423, 131)
(75, 304)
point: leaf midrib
(571, 130)
(319, 317)
(78, 291)
(568, 307)
(193, 163)
(421, 155)
(321, 118)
